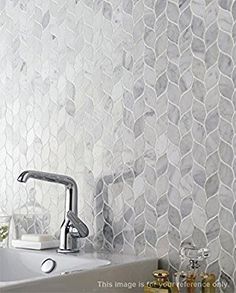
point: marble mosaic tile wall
(135, 99)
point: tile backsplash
(135, 99)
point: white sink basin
(18, 266)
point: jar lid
(160, 274)
(3, 214)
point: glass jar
(31, 217)
(4, 230)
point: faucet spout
(69, 183)
(45, 176)
(67, 234)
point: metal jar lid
(161, 274)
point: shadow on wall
(114, 217)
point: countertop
(123, 269)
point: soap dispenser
(161, 284)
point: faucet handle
(82, 229)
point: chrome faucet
(72, 227)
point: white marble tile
(134, 99)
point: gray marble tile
(161, 85)
(139, 225)
(198, 111)
(149, 37)
(151, 215)
(160, 25)
(173, 73)
(199, 132)
(139, 244)
(186, 81)
(226, 153)
(226, 174)
(226, 109)
(211, 34)
(212, 10)
(128, 6)
(226, 197)
(174, 217)
(162, 206)
(212, 99)
(149, 20)
(198, 68)
(227, 241)
(225, 20)
(186, 206)
(225, 64)
(212, 163)
(211, 55)
(213, 229)
(186, 165)
(138, 88)
(173, 52)
(185, 19)
(151, 236)
(186, 228)
(183, 4)
(185, 60)
(198, 27)
(199, 90)
(173, 32)
(174, 196)
(198, 48)
(186, 123)
(226, 87)
(226, 219)
(199, 175)
(185, 39)
(161, 45)
(234, 10)
(212, 120)
(149, 57)
(161, 165)
(225, 42)
(212, 142)
(149, 3)
(214, 247)
(160, 7)
(212, 77)
(234, 76)
(107, 10)
(225, 4)
(212, 185)
(172, 12)
(226, 131)
(173, 114)
(199, 237)
(162, 226)
(212, 207)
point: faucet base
(68, 250)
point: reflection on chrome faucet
(72, 227)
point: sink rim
(52, 253)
